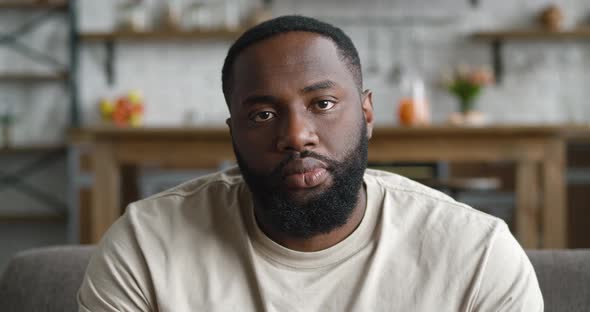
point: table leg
(129, 184)
(105, 191)
(527, 203)
(554, 195)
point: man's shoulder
(230, 178)
(392, 182)
(428, 227)
(200, 186)
(427, 208)
(198, 196)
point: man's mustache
(276, 172)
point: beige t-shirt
(197, 248)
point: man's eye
(263, 116)
(324, 105)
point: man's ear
(367, 105)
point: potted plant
(6, 122)
(466, 85)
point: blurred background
(71, 71)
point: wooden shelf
(33, 148)
(497, 39)
(534, 34)
(109, 39)
(161, 35)
(32, 77)
(10, 218)
(23, 5)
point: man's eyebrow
(325, 84)
(254, 99)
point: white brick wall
(544, 82)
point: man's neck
(321, 241)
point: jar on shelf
(413, 108)
(198, 15)
(168, 18)
(231, 14)
(131, 16)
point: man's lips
(304, 173)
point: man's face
(299, 128)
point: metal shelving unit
(42, 11)
(39, 12)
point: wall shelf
(22, 5)
(33, 77)
(534, 34)
(109, 39)
(31, 148)
(32, 218)
(497, 39)
(163, 35)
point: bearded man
(301, 224)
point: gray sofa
(47, 279)
(44, 279)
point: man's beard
(315, 214)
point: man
(301, 225)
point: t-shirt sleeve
(507, 281)
(117, 277)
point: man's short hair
(289, 23)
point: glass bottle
(413, 108)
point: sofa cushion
(48, 279)
(44, 279)
(564, 277)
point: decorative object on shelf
(132, 16)
(197, 15)
(232, 20)
(167, 17)
(552, 18)
(259, 15)
(124, 111)
(413, 108)
(6, 122)
(466, 85)
(470, 118)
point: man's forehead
(294, 56)
(283, 65)
(289, 48)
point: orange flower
(481, 77)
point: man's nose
(296, 133)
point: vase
(471, 118)
(466, 105)
(6, 136)
(475, 118)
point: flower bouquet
(466, 85)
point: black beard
(319, 213)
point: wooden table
(537, 151)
